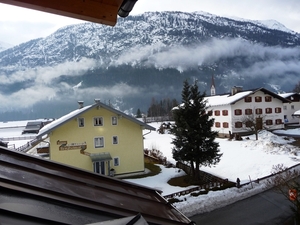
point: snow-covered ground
(246, 159)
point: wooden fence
(218, 182)
(209, 181)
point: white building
(290, 108)
(231, 110)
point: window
(98, 121)
(238, 112)
(217, 112)
(278, 121)
(248, 99)
(115, 140)
(217, 124)
(225, 112)
(99, 142)
(258, 111)
(80, 122)
(269, 122)
(99, 167)
(210, 112)
(116, 161)
(277, 110)
(268, 98)
(238, 124)
(292, 107)
(284, 107)
(268, 110)
(225, 125)
(258, 99)
(114, 120)
(248, 111)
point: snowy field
(246, 159)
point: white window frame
(116, 161)
(99, 167)
(115, 137)
(114, 120)
(98, 121)
(101, 142)
(80, 122)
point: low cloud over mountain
(144, 57)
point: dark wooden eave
(35, 189)
(98, 11)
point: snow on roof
(51, 126)
(286, 95)
(226, 99)
(297, 113)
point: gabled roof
(290, 96)
(229, 99)
(64, 119)
(41, 191)
(286, 95)
(33, 126)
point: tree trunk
(197, 171)
(192, 174)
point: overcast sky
(18, 25)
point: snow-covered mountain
(149, 55)
(157, 30)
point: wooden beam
(98, 11)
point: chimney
(97, 100)
(236, 89)
(80, 103)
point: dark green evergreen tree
(138, 114)
(194, 141)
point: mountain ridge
(148, 56)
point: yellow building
(97, 138)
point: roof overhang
(98, 11)
(97, 157)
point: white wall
(241, 104)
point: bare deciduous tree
(286, 181)
(254, 123)
(297, 88)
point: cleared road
(267, 208)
